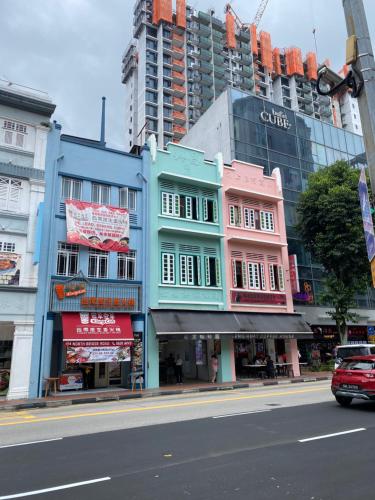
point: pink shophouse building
(257, 268)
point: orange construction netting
(276, 61)
(231, 34)
(266, 50)
(162, 11)
(294, 64)
(254, 40)
(181, 13)
(312, 66)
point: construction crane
(257, 18)
(260, 12)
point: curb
(27, 405)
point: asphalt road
(240, 449)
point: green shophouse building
(186, 265)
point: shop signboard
(71, 381)
(97, 226)
(199, 358)
(81, 294)
(99, 354)
(97, 337)
(257, 298)
(368, 225)
(371, 334)
(10, 268)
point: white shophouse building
(24, 125)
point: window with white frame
(266, 221)
(212, 271)
(71, 189)
(14, 133)
(209, 210)
(10, 193)
(7, 246)
(190, 272)
(67, 259)
(126, 263)
(254, 275)
(170, 204)
(188, 207)
(98, 264)
(277, 281)
(235, 218)
(239, 277)
(249, 218)
(100, 193)
(168, 268)
(128, 199)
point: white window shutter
(214, 209)
(252, 218)
(262, 276)
(281, 278)
(14, 194)
(183, 273)
(234, 275)
(190, 270)
(246, 214)
(164, 203)
(207, 270)
(232, 219)
(176, 205)
(199, 279)
(217, 271)
(188, 207)
(244, 274)
(262, 220)
(4, 192)
(272, 277)
(239, 217)
(171, 269)
(271, 222)
(205, 209)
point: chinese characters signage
(9, 268)
(258, 298)
(81, 295)
(98, 226)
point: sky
(73, 48)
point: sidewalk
(85, 397)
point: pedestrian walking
(214, 368)
(179, 364)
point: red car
(354, 379)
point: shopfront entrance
(96, 350)
(6, 347)
(192, 354)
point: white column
(21, 360)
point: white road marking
(31, 442)
(242, 413)
(55, 488)
(331, 435)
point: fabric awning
(237, 324)
(93, 329)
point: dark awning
(237, 324)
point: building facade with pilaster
(24, 127)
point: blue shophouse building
(79, 279)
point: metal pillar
(356, 24)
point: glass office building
(254, 130)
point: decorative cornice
(22, 172)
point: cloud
(73, 48)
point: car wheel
(343, 401)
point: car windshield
(347, 352)
(357, 365)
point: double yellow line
(32, 419)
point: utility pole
(364, 64)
